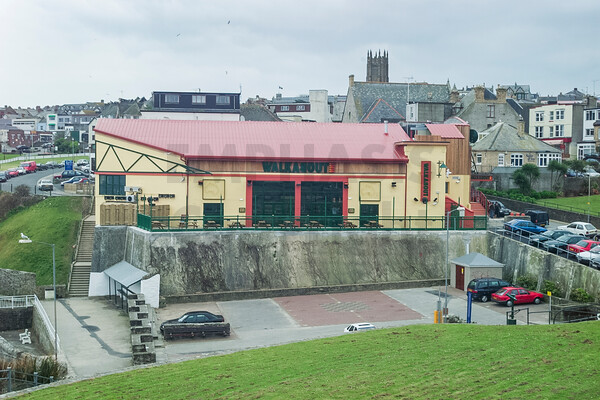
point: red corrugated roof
(448, 131)
(261, 140)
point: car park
(45, 184)
(560, 244)
(195, 323)
(582, 245)
(363, 326)
(538, 240)
(497, 209)
(519, 294)
(482, 288)
(523, 227)
(590, 256)
(580, 228)
(538, 217)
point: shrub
(553, 287)
(527, 281)
(545, 194)
(581, 296)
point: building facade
(589, 143)
(225, 173)
(559, 125)
(193, 106)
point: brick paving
(345, 308)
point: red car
(582, 245)
(12, 172)
(521, 295)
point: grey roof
(380, 111)
(476, 260)
(515, 106)
(504, 137)
(257, 112)
(396, 95)
(125, 273)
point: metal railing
(17, 301)
(308, 222)
(39, 308)
(11, 380)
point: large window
(559, 130)
(590, 115)
(491, 110)
(539, 131)
(300, 108)
(223, 100)
(584, 149)
(560, 114)
(539, 116)
(273, 202)
(323, 200)
(551, 128)
(551, 115)
(545, 158)
(516, 160)
(589, 133)
(172, 98)
(478, 158)
(285, 108)
(500, 161)
(113, 185)
(198, 99)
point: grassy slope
(580, 202)
(54, 220)
(414, 362)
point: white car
(580, 228)
(589, 257)
(45, 184)
(365, 326)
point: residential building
(520, 93)
(559, 125)
(591, 114)
(193, 106)
(317, 106)
(482, 109)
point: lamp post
(25, 239)
(589, 193)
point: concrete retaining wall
(192, 263)
(13, 319)
(41, 334)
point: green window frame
(113, 185)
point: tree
(522, 181)
(66, 145)
(531, 172)
(560, 169)
(576, 165)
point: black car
(195, 323)
(483, 288)
(538, 240)
(3, 176)
(497, 209)
(560, 244)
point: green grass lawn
(575, 203)
(415, 362)
(54, 220)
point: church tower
(377, 67)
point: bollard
(436, 317)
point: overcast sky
(72, 51)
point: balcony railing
(308, 222)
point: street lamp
(25, 239)
(459, 209)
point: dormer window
(223, 100)
(172, 98)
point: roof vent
(385, 128)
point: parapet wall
(221, 261)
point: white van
(365, 326)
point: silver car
(45, 184)
(589, 257)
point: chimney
(454, 97)
(501, 94)
(479, 94)
(351, 80)
(521, 127)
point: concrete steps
(82, 266)
(478, 209)
(80, 279)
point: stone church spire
(377, 67)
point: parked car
(45, 184)
(497, 209)
(195, 323)
(573, 174)
(68, 174)
(538, 217)
(81, 162)
(482, 288)
(12, 172)
(538, 240)
(591, 172)
(554, 246)
(75, 179)
(580, 228)
(590, 256)
(520, 295)
(4, 176)
(21, 171)
(523, 227)
(50, 165)
(582, 245)
(364, 326)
